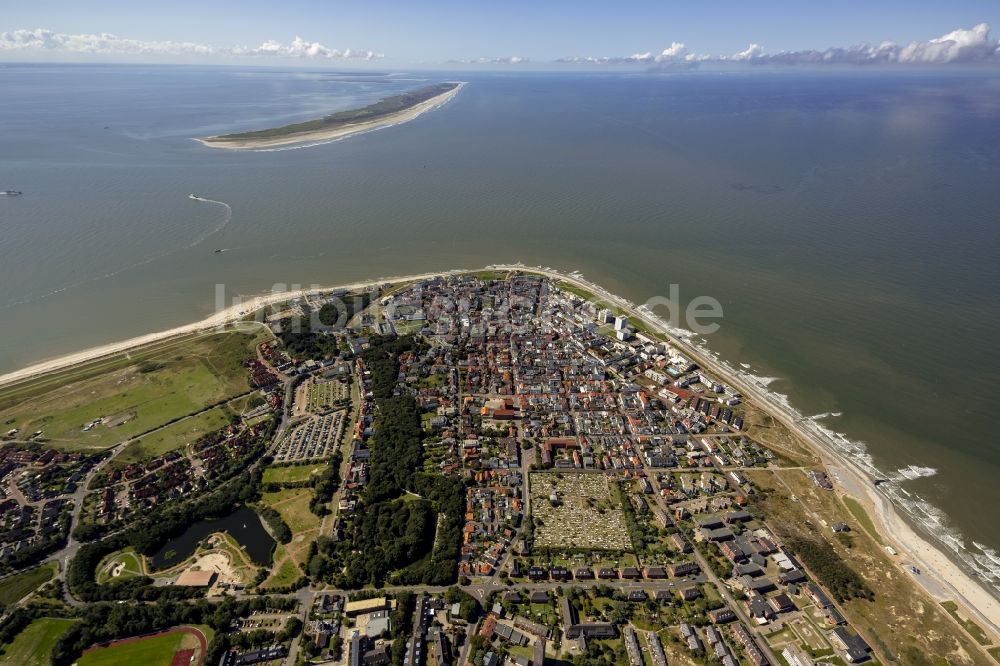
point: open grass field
(293, 505)
(153, 651)
(33, 646)
(289, 559)
(902, 622)
(285, 571)
(15, 588)
(174, 436)
(119, 566)
(291, 473)
(133, 394)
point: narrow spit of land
(384, 113)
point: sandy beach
(940, 576)
(334, 134)
(222, 318)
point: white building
(621, 322)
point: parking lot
(316, 438)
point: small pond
(243, 525)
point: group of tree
(277, 525)
(468, 607)
(325, 484)
(301, 341)
(416, 540)
(338, 313)
(641, 532)
(824, 562)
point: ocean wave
(911, 472)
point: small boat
(11, 193)
(193, 196)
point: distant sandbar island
(388, 111)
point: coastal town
(490, 468)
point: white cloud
(300, 48)
(751, 52)
(970, 46)
(505, 60)
(675, 51)
(958, 46)
(107, 44)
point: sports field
(33, 646)
(130, 395)
(16, 587)
(156, 650)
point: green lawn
(15, 588)
(491, 275)
(175, 436)
(286, 574)
(128, 557)
(157, 651)
(33, 646)
(863, 518)
(293, 505)
(290, 473)
(134, 395)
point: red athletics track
(179, 630)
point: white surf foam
(911, 472)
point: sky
(508, 34)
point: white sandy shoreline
(326, 136)
(942, 577)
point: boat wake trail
(148, 260)
(217, 229)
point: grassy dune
(380, 109)
(134, 394)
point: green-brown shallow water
(847, 222)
